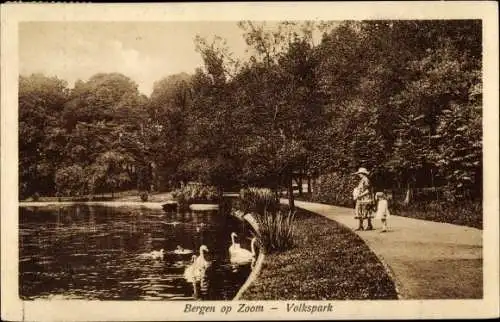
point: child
(382, 209)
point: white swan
(242, 255)
(182, 251)
(155, 254)
(190, 271)
(201, 262)
(234, 245)
(196, 270)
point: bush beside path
(428, 260)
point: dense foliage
(258, 200)
(402, 98)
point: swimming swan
(201, 262)
(242, 255)
(182, 251)
(190, 273)
(234, 245)
(196, 270)
(155, 254)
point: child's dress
(382, 209)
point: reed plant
(276, 230)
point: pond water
(100, 253)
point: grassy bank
(328, 262)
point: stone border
(258, 263)
(398, 286)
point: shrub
(468, 213)
(276, 230)
(144, 196)
(258, 200)
(335, 188)
(195, 193)
(70, 180)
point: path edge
(398, 286)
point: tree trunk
(220, 194)
(309, 190)
(408, 195)
(315, 185)
(299, 184)
(277, 192)
(291, 201)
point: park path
(427, 260)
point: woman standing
(362, 194)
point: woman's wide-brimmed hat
(362, 171)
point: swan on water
(242, 255)
(196, 270)
(155, 254)
(182, 251)
(190, 271)
(200, 261)
(234, 245)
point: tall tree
(41, 99)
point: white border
(12, 307)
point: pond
(104, 253)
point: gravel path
(428, 260)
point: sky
(144, 51)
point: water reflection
(96, 252)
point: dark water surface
(94, 253)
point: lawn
(327, 262)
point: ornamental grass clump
(276, 230)
(276, 227)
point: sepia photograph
(248, 167)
